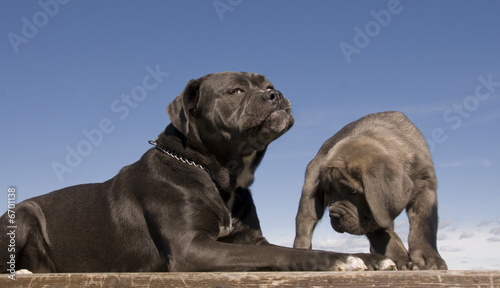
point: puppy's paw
(352, 263)
(377, 262)
(405, 264)
(427, 259)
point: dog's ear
(180, 111)
(387, 189)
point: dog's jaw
(278, 122)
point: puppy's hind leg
(29, 243)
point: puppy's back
(391, 128)
(394, 131)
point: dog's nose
(272, 95)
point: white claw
(23, 272)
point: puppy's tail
(24, 240)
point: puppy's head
(367, 186)
(231, 109)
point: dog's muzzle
(281, 118)
(343, 220)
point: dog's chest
(246, 176)
(244, 179)
(228, 228)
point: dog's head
(229, 111)
(368, 187)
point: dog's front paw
(23, 272)
(402, 261)
(352, 263)
(377, 262)
(405, 264)
(427, 259)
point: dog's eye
(236, 91)
(269, 88)
(351, 190)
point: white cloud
(426, 109)
(465, 244)
(484, 223)
(440, 107)
(466, 234)
(495, 231)
(450, 249)
(472, 161)
(447, 225)
(470, 245)
(441, 237)
(401, 224)
(483, 119)
(343, 243)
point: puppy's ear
(180, 111)
(387, 189)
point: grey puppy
(184, 206)
(367, 173)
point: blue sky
(67, 68)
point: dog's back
(392, 128)
(392, 124)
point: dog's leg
(205, 254)
(31, 240)
(311, 210)
(388, 243)
(423, 217)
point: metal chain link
(177, 156)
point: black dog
(367, 173)
(185, 205)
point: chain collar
(177, 156)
